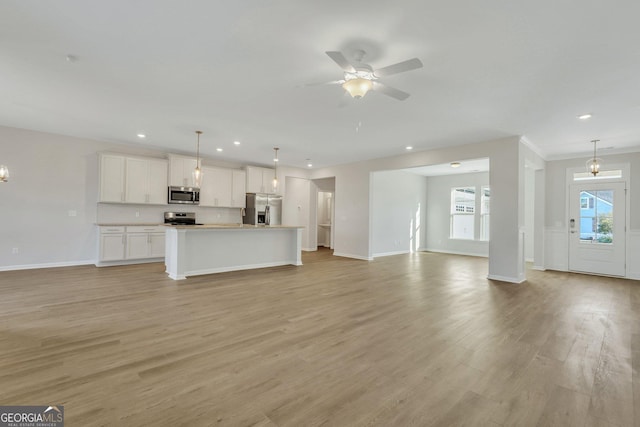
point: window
(463, 207)
(470, 214)
(586, 202)
(484, 213)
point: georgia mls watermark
(31, 416)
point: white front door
(597, 228)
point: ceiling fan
(359, 78)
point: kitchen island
(192, 250)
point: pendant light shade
(275, 168)
(593, 165)
(4, 173)
(197, 172)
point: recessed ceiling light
(218, 149)
(142, 135)
(585, 116)
(455, 164)
(309, 164)
(236, 142)
(408, 147)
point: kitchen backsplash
(108, 213)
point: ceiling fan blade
(390, 91)
(334, 82)
(400, 67)
(339, 58)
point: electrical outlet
(137, 214)
(14, 251)
(73, 213)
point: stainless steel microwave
(184, 195)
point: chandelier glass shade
(593, 165)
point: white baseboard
(352, 256)
(127, 262)
(506, 279)
(310, 249)
(539, 268)
(440, 251)
(235, 268)
(46, 265)
(383, 254)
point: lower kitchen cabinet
(125, 244)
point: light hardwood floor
(421, 339)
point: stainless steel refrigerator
(263, 209)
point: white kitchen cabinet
(181, 171)
(144, 242)
(216, 188)
(146, 181)
(156, 245)
(126, 179)
(259, 180)
(223, 188)
(112, 243)
(112, 178)
(238, 189)
(129, 243)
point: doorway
(597, 222)
(325, 219)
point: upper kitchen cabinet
(181, 170)
(238, 189)
(146, 181)
(127, 179)
(259, 180)
(111, 178)
(222, 188)
(216, 187)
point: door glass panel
(596, 216)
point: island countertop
(230, 226)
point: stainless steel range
(180, 218)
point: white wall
(439, 214)
(296, 207)
(398, 201)
(529, 212)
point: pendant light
(593, 165)
(197, 172)
(4, 173)
(275, 169)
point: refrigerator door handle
(267, 215)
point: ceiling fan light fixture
(455, 164)
(4, 173)
(358, 87)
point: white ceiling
(237, 71)
(466, 166)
